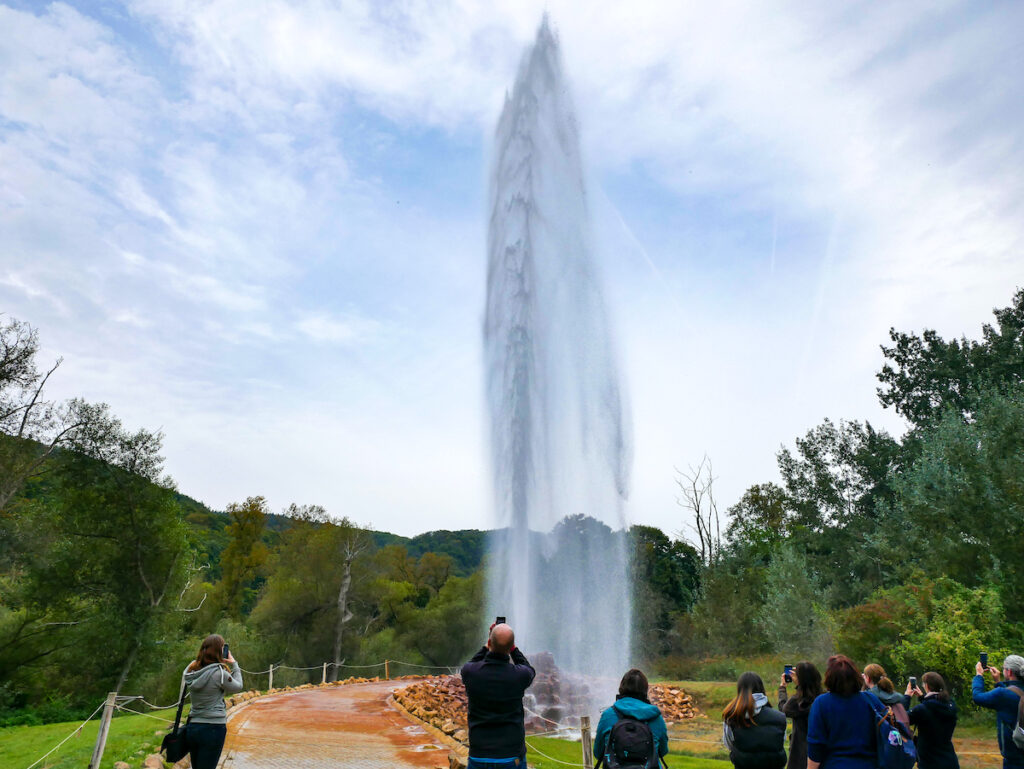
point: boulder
(153, 761)
(122, 765)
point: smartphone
(913, 682)
(983, 658)
(227, 652)
(499, 620)
(787, 673)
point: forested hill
(466, 547)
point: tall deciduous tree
(118, 554)
(243, 559)
(927, 375)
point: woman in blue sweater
(841, 727)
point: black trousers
(205, 742)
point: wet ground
(348, 726)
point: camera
(787, 673)
(913, 682)
(499, 620)
(983, 658)
(227, 652)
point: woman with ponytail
(935, 718)
(753, 730)
(877, 682)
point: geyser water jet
(559, 430)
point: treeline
(901, 550)
(109, 576)
(909, 550)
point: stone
(448, 727)
(153, 761)
(462, 736)
(455, 761)
(122, 765)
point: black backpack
(630, 744)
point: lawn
(571, 753)
(131, 738)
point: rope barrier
(289, 667)
(542, 718)
(76, 731)
(549, 758)
(147, 715)
(426, 667)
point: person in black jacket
(807, 680)
(753, 730)
(496, 679)
(935, 719)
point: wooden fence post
(270, 686)
(387, 672)
(324, 679)
(588, 753)
(101, 737)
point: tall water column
(559, 429)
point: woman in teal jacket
(632, 702)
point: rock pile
(441, 702)
(674, 703)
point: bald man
(496, 679)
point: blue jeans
(497, 763)
(205, 742)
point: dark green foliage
(926, 375)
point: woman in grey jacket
(208, 678)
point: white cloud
(204, 231)
(343, 331)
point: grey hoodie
(207, 687)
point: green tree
(117, 551)
(960, 507)
(927, 375)
(243, 559)
(794, 615)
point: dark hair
(808, 681)
(634, 684)
(876, 675)
(210, 651)
(936, 684)
(842, 676)
(740, 712)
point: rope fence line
(542, 754)
(76, 731)
(123, 709)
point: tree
(117, 553)
(352, 542)
(666, 578)
(960, 507)
(759, 521)
(697, 488)
(794, 614)
(244, 557)
(36, 426)
(926, 375)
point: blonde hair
(876, 675)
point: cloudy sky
(260, 226)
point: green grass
(572, 752)
(21, 745)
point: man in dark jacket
(1005, 701)
(496, 679)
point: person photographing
(1005, 699)
(496, 678)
